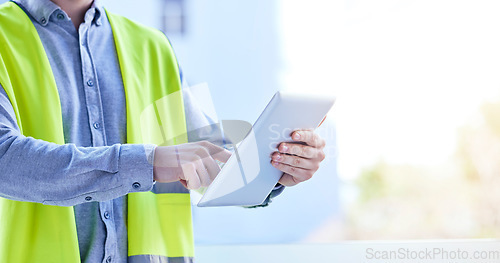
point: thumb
(222, 156)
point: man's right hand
(193, 164)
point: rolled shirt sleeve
(65, 175)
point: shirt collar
(42, 10)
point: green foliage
(491, 114)
(371, 183)
(455, 199)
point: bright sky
(406, 73)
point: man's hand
(193, 164)
(299, 160)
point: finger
(299, 174)
(309, 137)
(190, 175)
(301, 150)
(212, 167)
(296, 161)
(204, 177)
(217, 152)
(288, 180)
(183, 182)
(222, 156)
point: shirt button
(97, 125)
(106, 215)
(108, 260)
(136, 185)
(43, 20)
(88, 198)
(90, 83)
(60, 16)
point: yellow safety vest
(159, 225)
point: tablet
(248, 177)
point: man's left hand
(300, 159)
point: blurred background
(413, 141)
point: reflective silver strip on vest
(169, 188)
(159, 259)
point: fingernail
(296, 136)
(284, 148)
(278, 157)
(274, 163)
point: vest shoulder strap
(26, 76)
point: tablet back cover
(248, 177)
